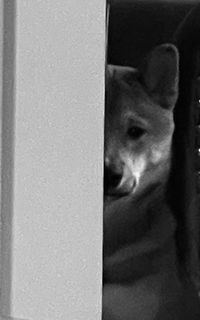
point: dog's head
(139, 123)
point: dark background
(138, 25)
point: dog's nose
(112, 180)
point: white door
(52, 162)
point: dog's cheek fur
(160, 154)
(147, 166)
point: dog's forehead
(123, 89)
(126, 96)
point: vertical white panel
(56, 226)
(1, 67)
(1, 87)
(1, 90)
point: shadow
(7, 156)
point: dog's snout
(118, 180)
(112, 179)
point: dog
(142, 277)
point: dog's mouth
(115, 196)
(112, 194)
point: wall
(52, 160)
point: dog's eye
(135, 132)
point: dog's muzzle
(114, 183)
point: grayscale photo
(151, 228)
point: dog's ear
(161, 75)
